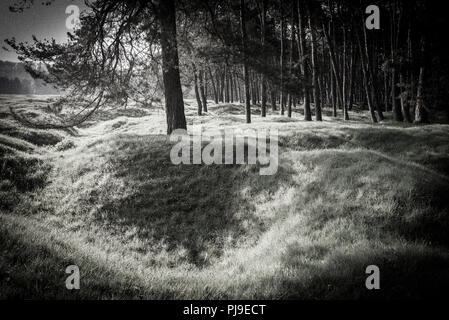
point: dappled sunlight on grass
(346, 195)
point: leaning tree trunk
(174, 103)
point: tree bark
(420, 111)
(263, 88)
(273, 99)
(282, 59)
(393, 38)
(197, 93)
(214, 88)
(344, 80)
(174, 103)
(245, 64)
(292, 41)
(304, 66)
(335, 68)
(316, 90)
(365, 78)
(202, 90)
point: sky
(40, 20)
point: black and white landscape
(99, 199)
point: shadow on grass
(388, 198)
(29, 270)
(410, 272)
(20, 174)
(200, 208)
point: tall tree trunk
(273, 99)
(197, 93)
(344, 80)
(351, 79)
(304, 63)
(290, 67)
(393, 38)
(386, 91)
(371, 77)
(237, 89)
(245, 64)
(174, 103)
(202, 90)
(365, 78)
(334, 64)
(316, 90)
(263, 88)
(405, 107)
(231, 87)
(406, 89)
(282, 58)
(222, 87)
(420, 111)
(214, 88)
(226, 83)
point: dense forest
(283, 55)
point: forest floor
(106, 198)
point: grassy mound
(21, 174)
(345, 196)
(34, 136)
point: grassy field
(106, 197)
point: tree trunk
(405, 107)
(197, 93)
(420, 111)
(214, 88)
(282, 59)
(316, 92)
(245, 64)
(335, 68)
(304, 66)
(365, 79)
(273, 99)
(344, 80)
(393, 38)
(351, 78)
(372, 83)
(174, 103)
(292, 41)
(202, 90)
(263, 88)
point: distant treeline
(14, 79)
(15, 86)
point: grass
(108, 199)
